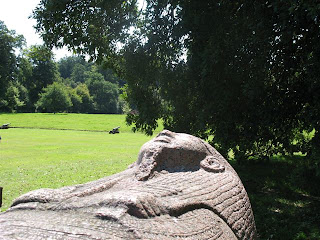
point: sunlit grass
(39, 158)
(93, 122)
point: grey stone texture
(179, 188)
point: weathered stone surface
(179, 188)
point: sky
(15, 13)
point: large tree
(9, 42)
(67, 64)
(54, 98)
(87, 104)
(243, 71)
(104, 93)
(44, 71)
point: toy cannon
(5, 126)
(114, 131)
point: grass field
(93, 122)
(32, 158)
(285, 200)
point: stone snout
(172, 152)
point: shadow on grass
(285, 200)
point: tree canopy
(30, 78)
(54, 98)
(105, 94)
(245, 72)
(9, 42)
(44, 70)
(67, 64)
(99, 23)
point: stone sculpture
(179, 188)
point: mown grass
(92, 122)
(285, 199)
(41, 158)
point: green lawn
(94, 122)
(41, 158)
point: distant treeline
(32, 81)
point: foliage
(97, 24)
(247, 79)
(67, 65)
(24, 77)
(86, 99)
(78, 73)
(245, 72)
(103, 84)
(54, 98)
(105, 94)
(9, 42)
(109, 75)
(44, 71)
(76, 101)
(12, 101)
(12, 97)
(23, 96)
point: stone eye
(210, 164)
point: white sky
(15, 13)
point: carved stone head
(176, 152)
(179, 187)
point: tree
(44, 71)
(243, 71)
(11, 100)
(78, 73)
(54, 98)
(23, 97)
(67, 64)
(86, 99)
(105, 94)
(9, 42)
(100, 24)
(76, 100)
(109, 75)
(23, 78)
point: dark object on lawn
(5, 126)
(180, 187)
(114, 131)
(0, 196)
